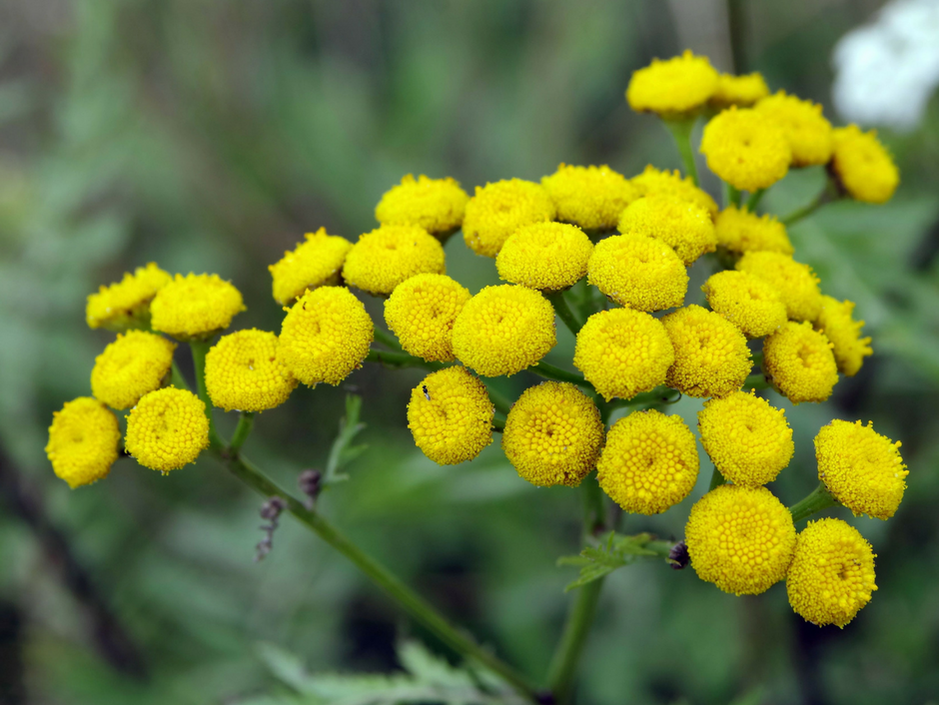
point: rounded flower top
(863, 167)
(740, 538)
(638, 271)
(195, 306)
(799, 362)
(748, 440)
(126, 304)
(545, 256)
(131, 366)
(498, 210)
(750, 303)
(437, 205)
(315, 262)
(739, 90)
(711, 355)
(83, 441)
(504, 329)
(388, 255)
(807, 130)
(242, 372)
(671, 183)
(836, 322)
(325, 336)
(677, 85)
(650, 462)
(739, 230)
(450, 416)
(623, 352)
(553, 434)
(421, 312)
(683, 226)
(796, 282)
(746, 149)
(167, 429)
(589, 196)
(861, 468)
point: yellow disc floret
(195, 306)
(388, 255)
(806, 129)
(589, 196)
(315, 262)
(739, 230)
(126, 304)
(638, 271)
(131, 366)
(750, 303)
(746, 149)
(671, 183)
(863, 166)
(796, 283)
(836, 322)
(498, 210)
(683, 226)
(677, 85)
(799, 362)
(545, 256)
(739, 90)
(167, 429)
(83, 440)
(421, 312)
(243, 372)
(437, 205)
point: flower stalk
(819, 499)
(681, 131)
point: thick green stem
(391, 358)
(386, 339)
(754, 200)
(564, 311)
(657, 397)
(199, 349)
(716, 480)
(681, 130)
(242, 431)
(559, 375)
(816, 501)
(731, 195)
(498, 423)
(176, 377)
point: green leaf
(342, 451)
(429, 668)
(615, 552)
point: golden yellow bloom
(553, 434)
(799, 362)
(750, 303)
(126, 303)
(242, 372)
(167, 429)
(315, 262)
(504, 329)
(83, 441)
(677, 85)
(450, 416)
(421, 311)
(796, 283)
(683, 226)
(746, 149)
(545, 256)
(806, 129)
(589, 196)
(739, 230)
(711, 355)
(325, 336)
(863, 166)
(197, 305)
(131, 366)
(748, 440)
(835, 321)
(650, 462)
(831, 577)
(498, 210)
(638, 271)
(389, 255)
(740, 538)
(623, 352)
(437, 205)
(671, 183)
(739, 90)
(861, 468)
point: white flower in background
(886, 71)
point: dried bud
(311, 482)
(678, 557)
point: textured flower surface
(685, 227)
(589, 196)
(243, 372)
(421, 312)
(197, 305)
(131, 366)
(676, 85)
(499, 209)
(844, 333)
(637, 271)
(806, 129)
(750, 303)
(739, 90)
(126, 302)
(672, 183)
(317, 261)
(796, 283)
(83, 440)
(387, 256)
(437, 205)
(167, 430)
(863, 166)
(746, 149)
(799, 361)
(545, 256)
(739, 230)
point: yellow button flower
(437, 205)
(553, 434)
(131, 366)
(638, 271)
(545, 256)
(421, 312)
(589, 196)
(126, 304)
(167, 429)
(861, 468)
(498, 210)
(242, 372)
(796, 283)
(863, 166)
(315, 262)
(83, 440)
(623, 352)
(740, 538)
(832, 573)
(806, 129)
(746, 149)
(195, 306)
(750, 303)
(504, 329)
(739, 230)
(671, 183)
(683, 226)
(739, 90)
(799, 362)
(836, 322)
(650, 462)
(677, 85)
(389, 255)
(450, 416)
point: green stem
(717, 479)
(754, 200)
(731, 195)
(391, 358)
(498, 423)
(757, 381)
(242, 431)
(502, 403)
(564, 311)
(176, 377)
(681, 130)
(387, 339)
(657, 397)
(819, 499)
(199, 349)
(559, 375)
(826, 195)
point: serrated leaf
(430, 668)
(285, 666)
(610, 554)
(342, 451)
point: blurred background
(209, 136)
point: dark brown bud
(678, 557)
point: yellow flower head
(421, 311)
(748, 440)
(498, 210)
(126, 304)
(131, 366)
(242, 372)
(796, 283)
(711, 355)
(623, 352)
(807, 130)
(545, 256)
(589, 196)
(83, 441)
(861, 468)
(197, 305)
(750, 303)
(388, 255)
(638, 271)
(683, 226)
(863, 166)
(504, 329)
(799, 362)
(325, 336)
(315, 262)
(739, 230)
(450, 416)
(844, 332)
(677, 85)
(746, 149)
(831, 577)
(437, 205)
(740, 538)
(649, 463)
(167, 429)
(739, 90)
(670, 183)
(553, 434)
